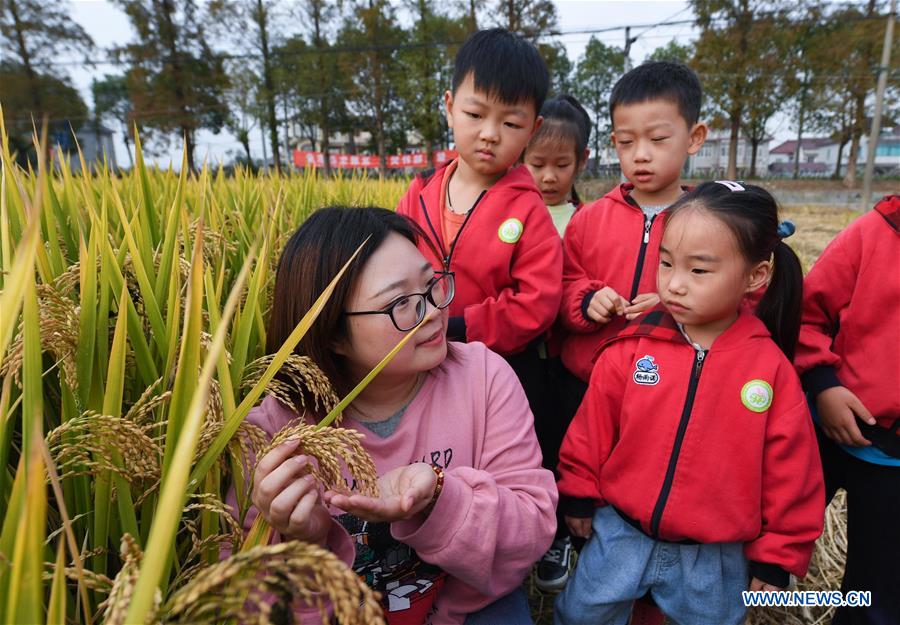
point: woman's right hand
(289, 500)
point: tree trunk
(754, 142)
(731, 173)
(262, 20)
(859, 124)
(168, 34)
(472, 17)
(840, 155)
(33, 87)
(801, 118)
(323, 116)
(128, 149)
(379, 111)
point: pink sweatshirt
(495, 516)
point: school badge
(510, 231)
(757, 395)
(646, 372)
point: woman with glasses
(464, 508)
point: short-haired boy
(611, 247)
(486, 216)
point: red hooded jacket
(507, 258)
(611, 243)
(717, 447)
(850, 335)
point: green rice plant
(132, 347)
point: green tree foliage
(372, 34)
(33, 35)
(672, 52)
(728, 52)
(597, 71)
(428, 69)
(176, 81)
(60, 102)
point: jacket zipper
(437, 240)
(648, 223)
(676, 448)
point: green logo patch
(510, 231)
(757, 395)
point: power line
(419, 45)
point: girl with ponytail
(694, 443)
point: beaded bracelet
(438, 487)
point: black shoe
(554, 568)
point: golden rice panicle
(88, 444)
(330, 447)
(298, 379)
(116, 604)
(59, 336)
(245, 585)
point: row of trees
(341, 67)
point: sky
(109, 26)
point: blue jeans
(692, 584)
(509, 610)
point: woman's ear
(760, 275)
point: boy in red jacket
(849, 362)
(611, 247)
(484, 215)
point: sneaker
(554, 568)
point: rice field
(132, 345)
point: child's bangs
(556, 135)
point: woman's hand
(289, 500)
(405, 492)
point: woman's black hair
(312, 257)
(565, 121)
(751, 213)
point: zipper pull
(701, 356)
(647, 223)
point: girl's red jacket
(611, 243)
(850, 335)
(507, 258)
(711, 448)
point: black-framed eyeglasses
(408, 311)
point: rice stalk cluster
(132, 345)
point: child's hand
(604, 304)
(838, 409)
(579, 526)
(288, 500)
(404, 492)
(644, 301)
(758, 584)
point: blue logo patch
(646, 372)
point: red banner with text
(369, 161)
